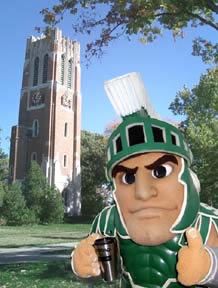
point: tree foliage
(3, 165)
(146, 18)
(34, 188)
(14, 209)
(3, 174)
(30, 203)
(52, 209)
(206, 50)
(199, 106)
(45, 201)
(2, 193)
(93, 160)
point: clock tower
(48, 129)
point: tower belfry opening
(49, 123)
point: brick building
(48, 129)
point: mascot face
(149, 195)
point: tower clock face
(36, 99)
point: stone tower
(48, 129)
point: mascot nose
(144, 188)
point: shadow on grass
(42, 270)
(56, 270)
(19, 246)
(66, 251)
(58, 237)
(42, 245)
(79, 219)
(44, 274)
(63, 270)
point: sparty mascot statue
(167, 238)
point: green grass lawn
(43, 275)
(39, 235)
(53, 274)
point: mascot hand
(193, 260)
(84, 259)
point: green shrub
(52, 208)
(2, 193)
(32, 203)
(44, 201)
(34, 187)
(14, 208)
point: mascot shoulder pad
(208, 216)
(209, 211)
(104, 222)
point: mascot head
(142, 132)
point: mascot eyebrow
(163, 159)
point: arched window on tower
(36, 71)
(69, 80)
(34, 156)
(45, 69)
(35, 128)
(62, 68)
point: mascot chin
(166, 237)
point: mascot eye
(128, 178)
(162, 171)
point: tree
(2, 193)
(206, 49)
(3, 173)
(93, 160)
(3, 165)
(43, 200)
(14, 208)
(34, 188)
(146, 18)
(199, 107)
(52, 209)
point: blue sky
(165, 65)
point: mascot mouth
(151, 212)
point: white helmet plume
(127, 94)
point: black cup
(109, 258)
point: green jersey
(150, 266)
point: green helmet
(139, 133)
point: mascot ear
(195, 180)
